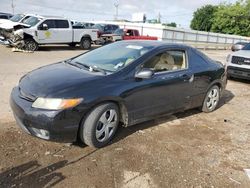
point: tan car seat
(166, 62)
(183, 65)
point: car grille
(26, 96)
(240, 60)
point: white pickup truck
(40, 30)
(238, 64)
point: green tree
(232, 19)
(203, 18)
(172, 24)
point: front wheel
(30, 45)
(100, 125)
(211, 100)
(85, 43)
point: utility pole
(13, 6)
(116, 4)
(159, 18)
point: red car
(126, 34)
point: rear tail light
(98, 34)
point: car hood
(242, 53)
(11, 25)
(4, 21)
(56, 80)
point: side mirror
(45, 27)
(144, 74)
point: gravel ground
(190, 149)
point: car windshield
(119, 32)
(113, 57)
(99, 27)
(246, 47)
(32, 21)
(17, 17)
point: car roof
(54, 17)
(154, 43)
(242, 43)
(44, 16)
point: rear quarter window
(198, 59)
(61, 24)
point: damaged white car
(7, 26)
(15, 18)
(40, 30)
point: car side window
(49, 23)
(27, 17)
(170, 60)
(61, 24)
(115, 27)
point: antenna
(12, 6)
(116, 4)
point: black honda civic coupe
(126, 82)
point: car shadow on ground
(63, 48)
(32, 174)
(123, 132)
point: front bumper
(238, 72)
(3, 41)
(59, 126)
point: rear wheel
(85, 43)
(30, 45)
(212, 99)
(100, 125)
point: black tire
(31, 45)
(92, 124)
(72, 44)
(211, 100)
(229, 77)
(85, 43)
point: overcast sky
(179, 11)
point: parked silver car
(238, 46)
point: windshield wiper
(78, 65)
(94, 69)
(85, 66)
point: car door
(45, 35)
(63, 32)
(58, 31)
(167, 91)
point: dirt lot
(190, 149)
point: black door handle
(187, 77)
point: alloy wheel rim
(213, 98)
(31, 46)
(106, 125)
(86, 44)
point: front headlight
(55, 104)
